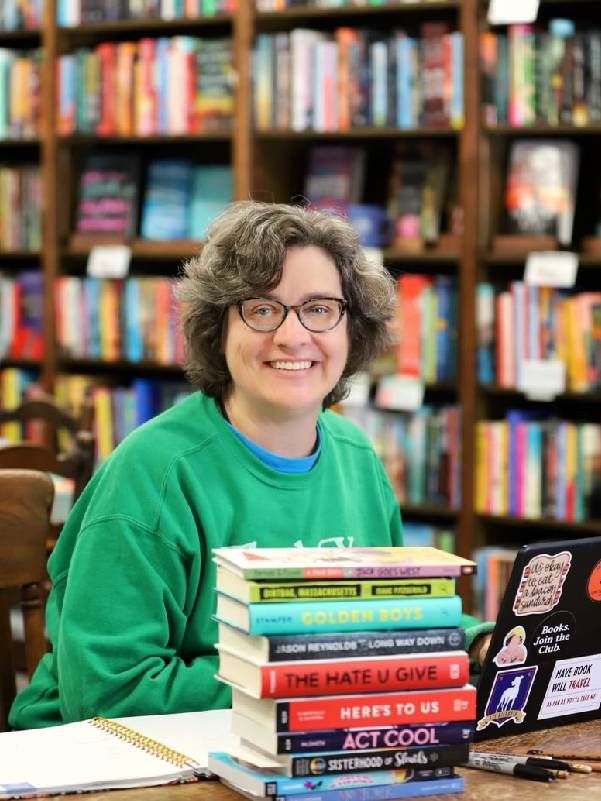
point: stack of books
(348, 671)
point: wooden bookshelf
(266, 165)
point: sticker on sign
(542, 379)
(551, 268)
(109, 261)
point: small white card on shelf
(358, 395)
(551, 268)
(403, 392)
(109, 261)
(374, 255)
(506, 12)
(542, 379)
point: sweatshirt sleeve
(122, 643)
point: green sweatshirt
(129, 613)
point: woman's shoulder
(343, 430)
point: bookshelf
(269, 163)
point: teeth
(291, 365)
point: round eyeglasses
(316, 315)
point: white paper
(551, 268)
(80, 756)
(506, 12)
(402, 392)
(574, 686)
(109, 261)
(359, 386)
(542, 379)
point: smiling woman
(279, 310)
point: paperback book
(247, 591)
(341, 563)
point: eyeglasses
(316, 315)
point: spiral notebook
(103, 754)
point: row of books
(20, 207)
(494, 564)
(425, 327)
(348, 671)
(20, 107)
(14, 383)
(81, 12)
(112, 319)
(280, 5)
(533, 75)
(421, 451)
(118, 409)
(18, 15)
(178, 201)
(21, 315)
(531, 467)
(523, 322)
(354, 77)
(175, 85)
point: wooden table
(580, 739)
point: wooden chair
(25, 503)
(76, 462)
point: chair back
(75, 462)
(25, 504)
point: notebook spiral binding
(145, 743)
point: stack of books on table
(348, 671)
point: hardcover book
(337, 676)
(340, 616)
(352, 739)
(333, 645)
(363, 709)
(108, 196)
(340, 563)
(247, 591)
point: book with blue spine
(264, 783)
(412, 789)
(340, 616)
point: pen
(510, 768)
(559, 768)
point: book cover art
(333, 563)
(108, 196)
(540, 193)
(338, 676)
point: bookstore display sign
(507, 12)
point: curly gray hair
(242, 257)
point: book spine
(283, 785)
(362, 643)
(338, 590)
(381, 792)
(379, 759)
(386, 736)
(423, 706)
(391, 571)
(412, 613)
(364, 675)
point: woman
(279, 310)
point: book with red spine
(363, 709)
(339, 676)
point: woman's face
(288, 372)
